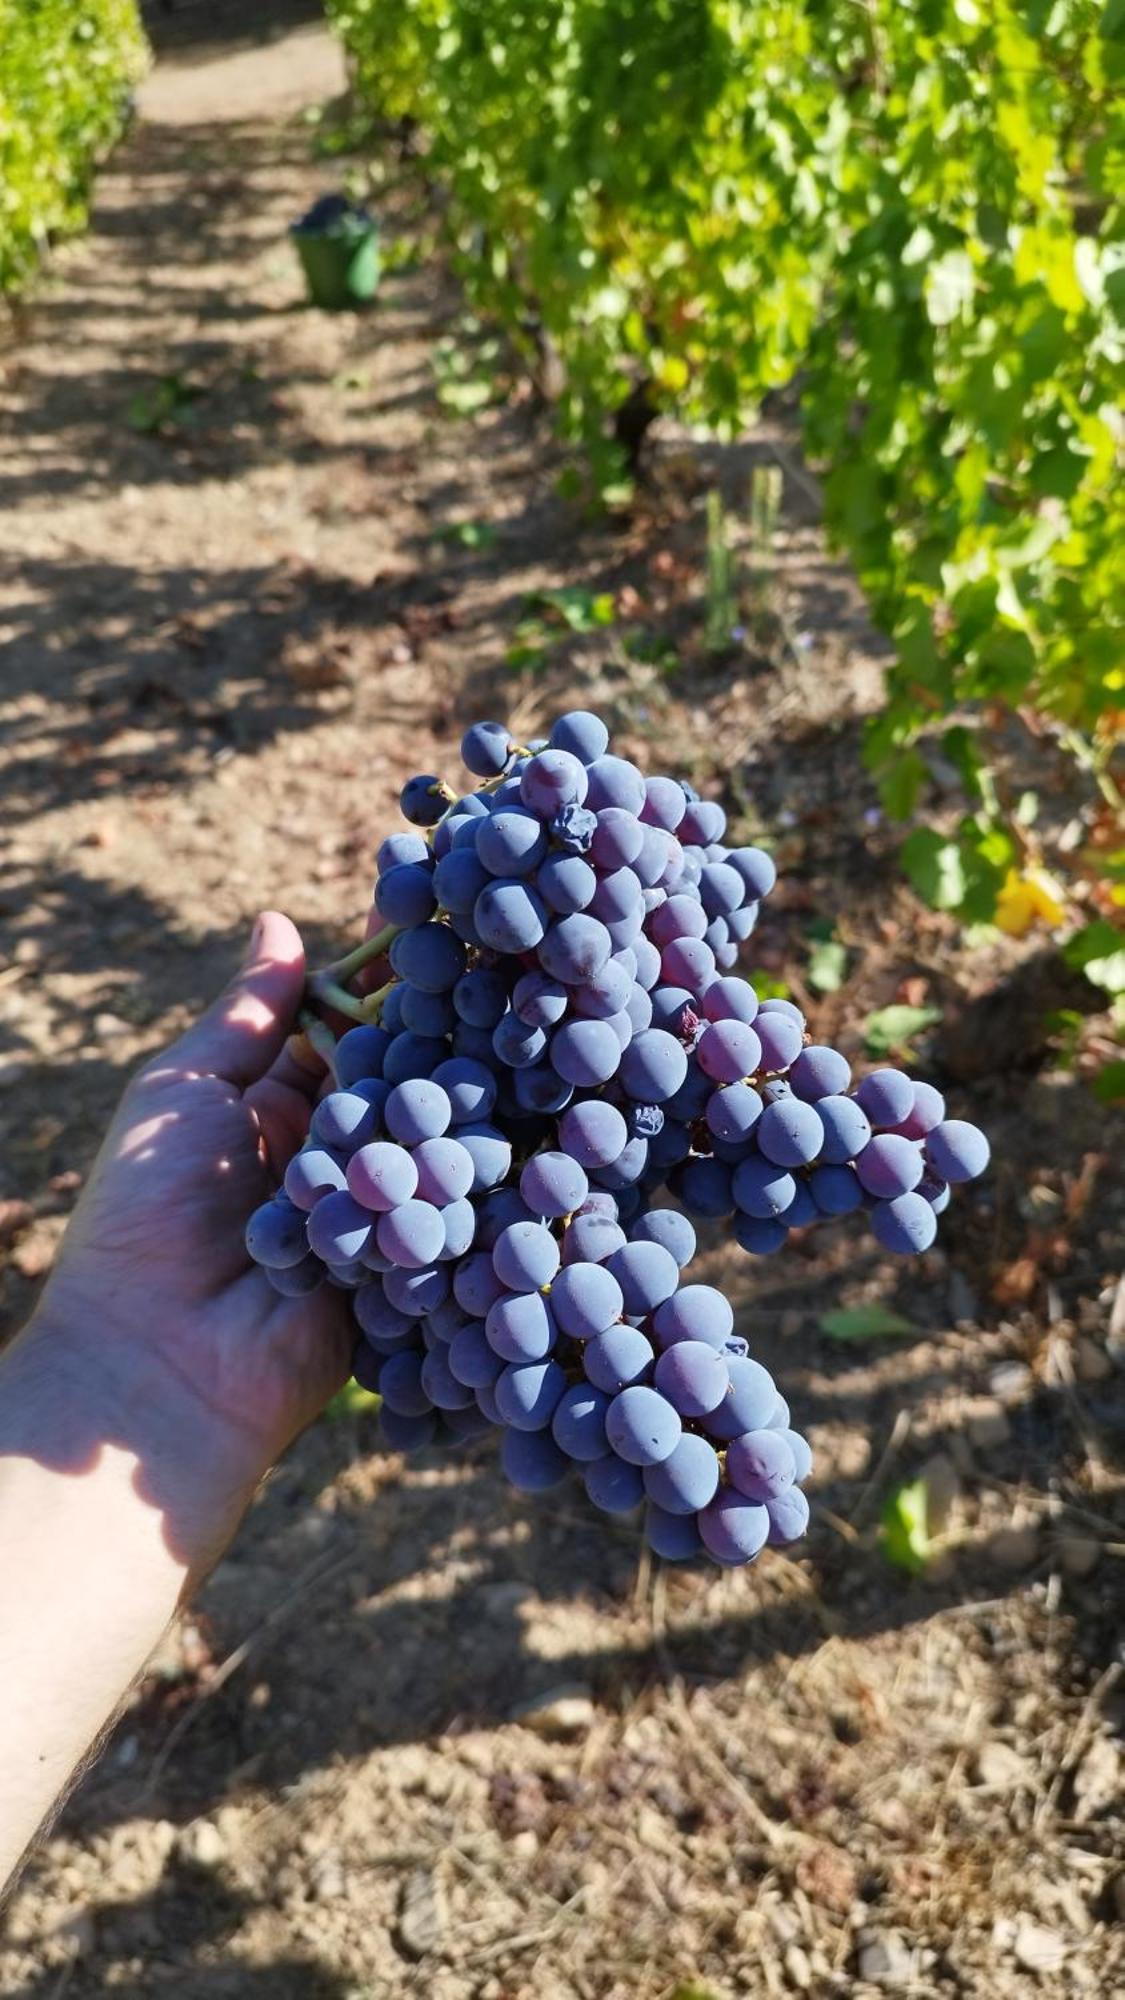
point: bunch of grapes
(562, 1039)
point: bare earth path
(230, 627)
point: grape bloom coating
(563, 1039)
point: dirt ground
(420, 1736)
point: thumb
(246, 1027)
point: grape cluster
(562, 1038)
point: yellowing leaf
(1029, 897)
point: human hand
(160, 1334)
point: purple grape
(553, 1184)
(889, 1166)
(509, 917)
(615, 782)
(431, 957)
(412, 1234)
(585, 1300)
(706, 1187)
(703, 821)
(696, 1312)
(730, 1000)
(748, 1403)
(344, 1120)
(312, 1172)
(491, 1153)
(781, 1038)
(835, 1190)
(789, 1516)
(412, 1056)
(475, 1285)
(927, 1111)
(688, 962)
(416, 1293)
(551, 780)
(789, 1133)
(405, 894)
(527, 1394)
(517, 1045)
(458, 880)
(819, 1072)
(733, 1111)
(642, 1427)
(459, 1221)
(665, 804)
(759, 1236)
(525, 1256)
(653, 1066)
(617, 1358)
(733, 1530)
(647, 1275)
(540, 1002)
(400, 1385)
(618, 838)
(583, 734)
(566, 883)
(802, 1456)
(673, 1536)
(760, 1464)
(417, 1110)
(511, 842)
(338, 1228)
(406, 1433)
(906, 1225)
(296, 1281)
(670, 1229)
(445, 1171)
(590, 1239)
(531, 1460)
(605, 993)
(956, 1150)
(471, 1359)
(728, 1051)
(763, 1189)
(578, 1425)
(585, 1053)
(846, 1129)
(614, 1486)
(469, 1086)
(687, 1479)
(401, 847)
(721, 889)
(480, 996)
(486, 748)
(593, 1133)
(694, 1377)
(360, 1054)
(885, 1097)
(520, 1327)
(575, 948)
(431, 1014)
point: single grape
(835, 1190)
(647, 1274)
(889, 1166)
(613, 1485)
(669, 1228)
(312, 1172)
(458, 880)
(566, 883)
(689, 962)
(296, 1281)
(696, 1312)
(491, 1153)
(517, 1045)
(338, 1228)
(480, 995)
(759, 1236)
(593, 1132)
(585, 1053)
(520, 1327)
(472, 1360)
(618, 838)
(405, 894)
(605, 993)
(585, 1300)
(760, 1464)
(729, 1051)
(591, 1239)
(906, 1225)
(359, 1054)
(440, 1384)
(704, 821)
(416, 1293)
(885, 1097)
(665, 804)
(511, 842)
(400, 1385)
(694, 1377)
(527, 1394)
(401, 847)
(459, 1221)
(578, 1425)
(445, 1170)
(412, 1234)
(673, 1536)
(706, 1187)
(781, 1038)
(956, 1150)
(730, 1000)
(733, 1529)
(653, 1066)
(431, 957)
(344, 1120)
(539, 1001)
(642, 1427)
(733, 1111)
(789, 1133)
(748, 1403)
(469, 1086)
(553, 779)
(846, 1129)
(617, 1358)
(510, 917)
(583, 734)
(762, 1189)
(819, 1072)
(687, 1479)
(613, 781)
(789, 1516)
(553, 1184)
(575, 948)
(486, 748)
(525, 1256)
(417, 1110)
(531, 1460)
(802, 1456)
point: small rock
(1091, 1362)
(1015, 1548)
(1097, 1781)
(884, 1959)
(1037, 1948)
(943, 1485)
(798, 1971)
(421, 1914)
(1012, 1381)
(202, 1844)
(987, 1425)
(561, 1711)
(1078, 1554)
(107, 1027)
(1002, 1768)
(328, 1878)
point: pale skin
(159, 1379)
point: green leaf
(894, 1027)
(873, 1322)
(1109, 1083)
(949, 287)
(899, 788)
(767, 986)
(1098, 950)
(828, 965)
(936, 868)
(467, 534)
(351, 1401)
(463, 399)
(906, 1532)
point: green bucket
(338, 246)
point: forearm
(91, 1568)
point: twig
(899, 1434)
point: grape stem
(344, 968)
(318, 1034)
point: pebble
(202, 1843)
(1002, 1768)
(1014, 1548)
(987, 1426)
(940, 1477)
(798, 1971)
(1037, 1948)
(561, 1711)
(884, 1959)
(421, 1913)
(1091, 1362)
(1011, 1381)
